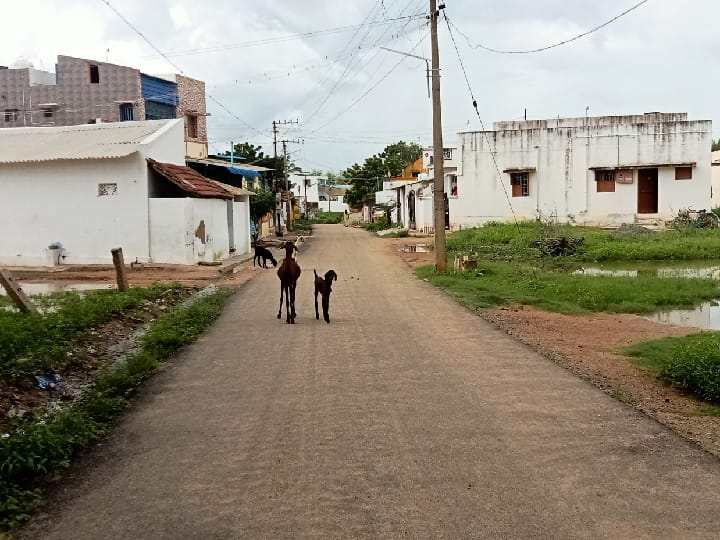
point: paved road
(405, 417)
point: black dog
(323, 286)
(264, 254)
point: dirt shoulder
(588, 345)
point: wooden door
(647, 191)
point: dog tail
(315, 272)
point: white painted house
(604, 170)
(715, 178)
(317, 192)
(94, 187)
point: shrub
(691, 363)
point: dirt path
(408, 416)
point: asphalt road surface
(406, 417)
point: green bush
(690, 363)
(328, 218)
(30, 342)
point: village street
(407, 416)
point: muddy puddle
(700, 272)
(35, 288)
(703, 317)
(415, 248)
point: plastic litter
(48, 380)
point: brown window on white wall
(520, 183)
(94, 74)
(683, 173)
(605, 181)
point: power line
(175, 66)
(552, 46)
(482, 124)
(346, 109)
(289, 37)
(349, 65)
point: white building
(315, 192)
(591, 171)
(715, 178)
(94, 187)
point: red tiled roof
(190, 181)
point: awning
(642, 166)
(519, 169)
(245, 172)
(189, 180)
(248, 171)
(237, 191)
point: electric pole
(438, 163)
(286, 191)
(275, 130)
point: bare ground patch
(587, 346)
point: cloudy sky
(320, 62)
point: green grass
(505, 241)
(42, 443)
(30, 342)
(690, 363)
(328, 218)
(501, 283)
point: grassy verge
(328, 218)
(31, 342)
(39, 444)
(501, 240)
(690, 363)
(501, 283)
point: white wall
(172, 235)
(562, 181)
(215, 245)
(715, 178)
(58, 201)
(241, 225)
(312, 190)
(186, 230)
(167, 144)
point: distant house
(83, 91)
(93, 187)
(314, 193)
(606, 170)
(715, 178)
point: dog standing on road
(323, 286)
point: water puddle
(45, 287)
(703, 272)
(704, 317)
(415, 248)
(604, 272)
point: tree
(261, 203)
(715, 146)
(368, 177)
(255, 156)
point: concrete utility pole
(438, 164)
(275, 130)
(287, 183)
